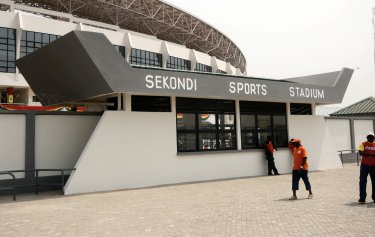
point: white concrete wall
(139, 42)
(44, 25)
(12, 140)
(361, 129)
(113, 36)
(8, 20)
(10, 79)
(203, 58)
(340, 132)
(316, 138)
(60, 139)
(179, 51)
(138, 149)
(221, 65)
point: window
(300, 109)
(205, 125)
(178, 63)
(202, 68)
(4, 96)
(259, 120)
(7, 50)
(35, 99)
(221, 71)
(120, 49)
(142, 57)
(151, 103)
(31, 41)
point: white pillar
(238, 125)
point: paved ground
(243, 207)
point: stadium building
(149, 33)
(174, 100)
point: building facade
(171, 114)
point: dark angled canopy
(81, 66)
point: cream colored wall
(138, 149)
(179, 51)
(361, 129)
(203, 58)
(11, 79)
(60, 139)
(340, 132)
(139, 42)
(12, 140)
(316, 138)
(8, 20)
(221, 65)
(113, 36)
(43, 25)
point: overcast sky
(289, 38)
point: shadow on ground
(356, 204)
(27, 197)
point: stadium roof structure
(89, 69)
(151, 17)
(365, 107)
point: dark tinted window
(300, 109)
(151, 103)
(31, 41)
(178, 63)
(205, 125)
(261, 119)
(7, 50)
(205, 105)
(221, 71)
(202, 68)
(142, 57)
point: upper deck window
(7, 50)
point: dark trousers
(296, 175)
(271, 164)
(364, 171)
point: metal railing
(13, 182)
(36, 183)
(350, 151)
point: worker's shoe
(310, 196)
(361, 201)
(293, 198)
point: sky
(290, 38)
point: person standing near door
(269, 156)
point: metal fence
(36, 182)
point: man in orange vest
(269, 157)
(300, 167)
(367, 151)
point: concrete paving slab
(241, 207)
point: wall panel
(12, 140)
(60, 139)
